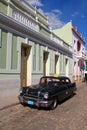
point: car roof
(59, 77)
(63, 77)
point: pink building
(79, 55)
(71, 36)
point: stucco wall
(9, 87)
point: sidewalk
(79, 84)
(10, 101)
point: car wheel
(54, 104)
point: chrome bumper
(37, 102)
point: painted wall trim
(12, 24)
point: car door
(63, 90)
(69, 87)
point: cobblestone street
(69, 115)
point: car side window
(63, 81)
(53, 83)
(43, 81)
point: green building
(28, 49)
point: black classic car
(48, 92)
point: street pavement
(7, 102)
(69, 115)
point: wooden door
(24, 57)
(45, 58)
(44, 63)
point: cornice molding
(14, 26)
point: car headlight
(39, 93)
(20, 90)
(46, 95)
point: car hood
(34, 89)
(39, 87)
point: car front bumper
(36, 102)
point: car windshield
(49, 81)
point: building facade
(85, 71)
(70, 35)
(28, 49)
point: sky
(59, 12)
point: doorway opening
(45, 63)
(56, 64)
(66, 66)
(25, 52)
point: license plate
(30, 102)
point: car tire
(54, 104)
(72, 94)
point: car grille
(29, 97)
(30, 93)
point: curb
(11, 105)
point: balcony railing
(22, 18)
(80, 54)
